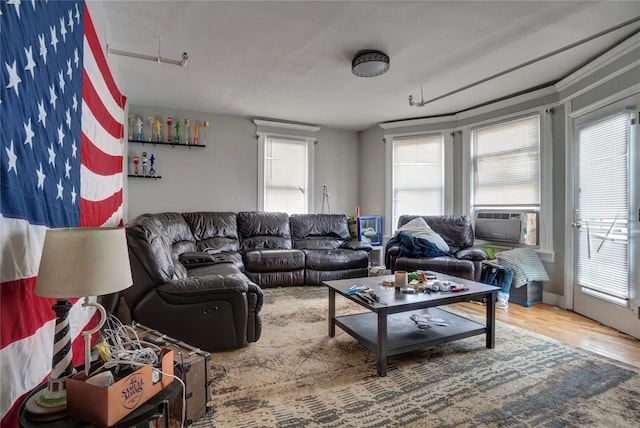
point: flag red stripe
(93, 100)
(10, 419)
(18, 324)
(96, 48)
(95, 213)
(98, 161)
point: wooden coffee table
(387, 330)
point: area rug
(297, 376)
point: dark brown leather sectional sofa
(197, 276)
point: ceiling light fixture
(418, 104)
(369, 63)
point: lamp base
(37, 413)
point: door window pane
(603, 208)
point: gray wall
(371, 164)
(223, 175)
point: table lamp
(77, 262)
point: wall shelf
(165, 143)
(144, 176)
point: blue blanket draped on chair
(409, 246)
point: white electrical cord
(127, 349)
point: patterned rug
(297, 376)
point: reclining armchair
(461, 259)
(202, 299)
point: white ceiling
(291, 60)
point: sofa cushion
(214, 269)
(336, 259)
(447, 265)
(178, 237)
(203, 288)
(319, 231)
(264, 230)
(273, 260)
(278, 279)
(214, 232)
(146, 240)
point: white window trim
(310, 143)
(545, 245)
(448, 172)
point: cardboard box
(352, 221)
(106, 406)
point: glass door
(605, 223)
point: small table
(158, 404)
(386, 330)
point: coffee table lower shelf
(402, 333)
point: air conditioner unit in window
(508, 226)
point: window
(506, 164)
(508, 170)
(285, 174)
(417, 176)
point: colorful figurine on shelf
(186, 131)
(196, 131)
(144, 164)
(136, 162)
(130, 127)
(169, 122)
(152, 171)
(158, 134)
(138, 129)
(177, 131)
(204, 134)
(150, 121)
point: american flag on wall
(61, 124)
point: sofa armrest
(354, 244)
(470, 253)
(257, 291)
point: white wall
(223, 175)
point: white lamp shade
(83, 261)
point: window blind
(506, 163)
(418, 176)
(603, 177)
(285, 175)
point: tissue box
(106, 406)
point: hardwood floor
(568, 327)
